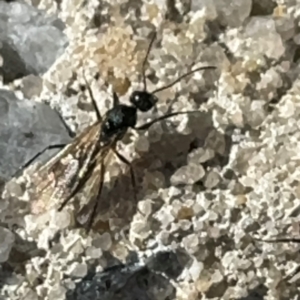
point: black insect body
(81, 164)
(121, 117)
(117, 121)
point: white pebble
(195, 269)
(142, 144)
(78, 270)
(60, 219)
(188, 174)
(93, 252)
(103, 241)
(57, 292)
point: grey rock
(30, 40)
(6, 240)
(140, 280)
(26, 128)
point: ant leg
(133, 181)
(125, 161)
(94, 103)
(279, 240)
(71, 133)
(31, 160)
(116, 100)
(95, 206)
(149, 124)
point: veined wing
(58, 180)
(93, 186)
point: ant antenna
(145, 61)
(94, 103)
(169, 84)
(180, 78)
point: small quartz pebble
(256, 31)
(191, 243)
(77, 248)
(57, 292)
(145, 207)
(212, 179)
(46, 235)
(7, 240)
(140, 230)
(78, 270)
(233, 13)
(165, 216)
(188, 174)
(14, 189)
(103, 241)
(200, 155)
(184, 225)
(217, 277)
(93, 252)
(30, 295)
(60, 219)
(142, 144)
(196, 269)
(37, 222)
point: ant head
(143, 100)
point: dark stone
(26, 128)
(30, 40)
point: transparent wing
(92, 189)
(69, 171)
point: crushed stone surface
(209, 184)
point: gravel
(208, 183)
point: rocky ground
(208, 183)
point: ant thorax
(117, 120)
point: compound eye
(135, 97)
